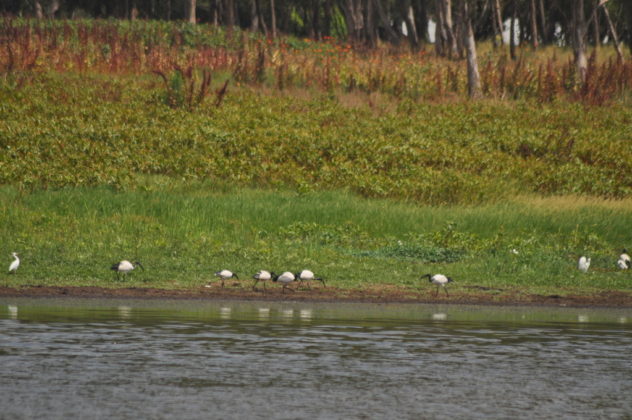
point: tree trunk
(53, 7)
(190, 12)
(420, 8)
(390, 33)
(579, 45)
(273, 20)
(498, 17)
(229, 9)
(473, 76)
(412, 28)
(445, 27)
(543, 28)
(534, 24)
(512, 33)
(315, 21)
(613, 31)
(39, 12)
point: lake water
(128, 359)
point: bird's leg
(437, 293)
(264, 287)
(255, 285)
(446, 291)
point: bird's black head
(427, 275)
(624, 251)
(450, 280)
(138, 264)
(235, 275)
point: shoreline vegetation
(114, 151)
(69, 238)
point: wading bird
(625, 257)
(225, 275)
(125, 267)
(15, 264)
(583, 264)
(262, 276)
(440, 280)
(623, 264)
(285, 278)
(307, 276)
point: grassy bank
(183, 233)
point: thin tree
(190, 12)
(473, 76)
(611, 28)
(579, 36)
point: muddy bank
(382, 294)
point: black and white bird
(262, 276)
(125, 267)
(225, 275)
(440, 280)
(583, 264)
(307, 276)
(15, 263)
(285, 278)
(623, 264)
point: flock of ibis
(307, 276)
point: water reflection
(225, 312)
(264, 313)
(306, 314)
(124, 311)
(181, 359)
(440, 316)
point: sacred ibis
(440, 280)
(262, 276)
(225, 275)
(307, 276)
(285, 278)
(125, 267)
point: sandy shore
(381, 294)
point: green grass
(185, 232)
(70, 130)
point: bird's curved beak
(140, 265)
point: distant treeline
(537, 22)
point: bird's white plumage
(225, 274)
(125, 267)
(439, 279)
(623, 264)
(286, 278)
(15, 263)
(306, 275)
(625, 257)
(583, 264)
(263, 275)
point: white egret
(307, 276)
(440, 280)
(225, 275)
(583, 264)
(625, 257)
(262, 276)
(15, 264)
(125, 267)
(285, 278)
